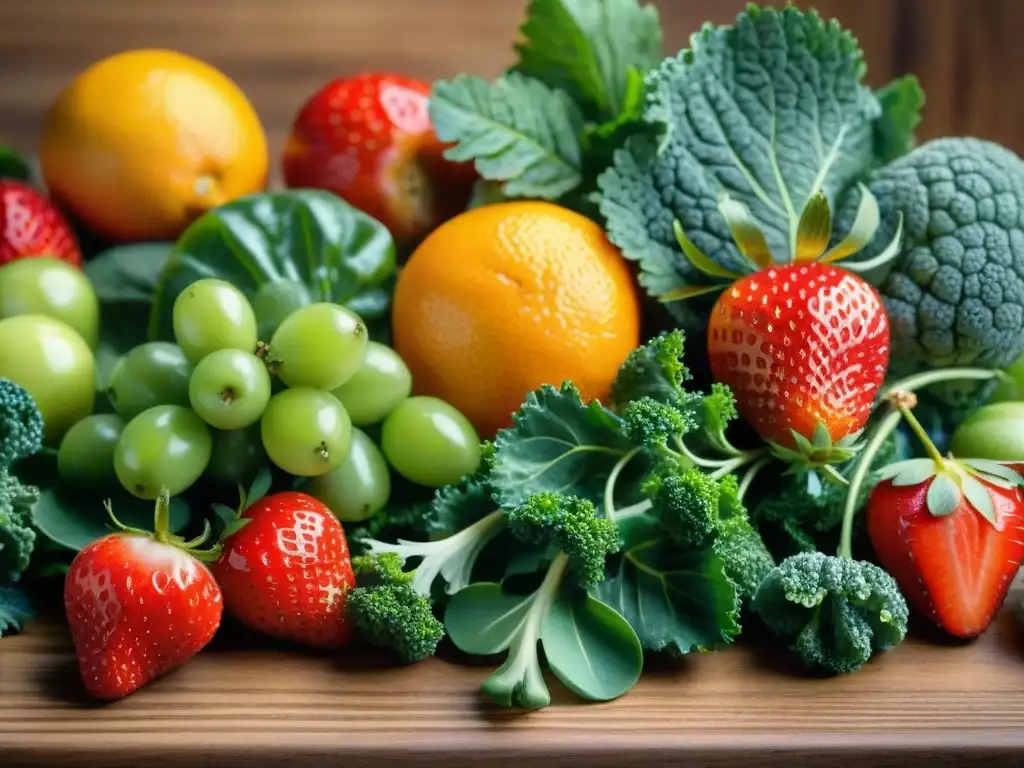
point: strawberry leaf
(821, 439)
(994, 469)
(943, 496)
(979, 498)
(258, 489)
(909, 472)
(235, 526)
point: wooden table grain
(922, 704)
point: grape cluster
(221, 403)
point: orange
(141, 143)
(507, 297)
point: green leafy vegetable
(15, 610)
(589, 49)
(750, 123)
(834, 612)
(517, 130)
(21, 436)
(902, 101)
(388, 612)
(14, 166)
(306, 237)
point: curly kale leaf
(766, 113)
(15, 610)
(955, 293)
(834, 612)
(17, 535)
(902, 101)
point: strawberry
(368, 139)
(31, 225)
(951, 532)
(139, 605)
(286, 570)
(801, 345)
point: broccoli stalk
(21, 436)
(387, 610)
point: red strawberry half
(368, 139)
(287, 571)
(138, 605)
(31, 225)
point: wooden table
(253, 705)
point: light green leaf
(587, 48)
(517, 130)
(591, 648)
(979, 497)
(863, 228)
(914, 472)
(676, 600)
(128, 273)
(994, 469)
(483, 620)
(698, 259)
(821, 438)
(557, 444)
(890, 252)
(814, 230)
(902, 101)
(745, 232)
(943, 496)
(300, 238)
(909, 465)
(769, 111)
(15, 610)
(685, 292)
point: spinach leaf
(339, 253)
(762, 114)
(588, 48)
(122, 327)
(677, 600)
(128, 273)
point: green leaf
(128, 273)
(588, 47)
(517, 131)
(814, 230)
(73, 519)
(234, 526)
(676, 600)
(600, 140)
(902, 101)
(746, 233)
(694, 255)
(910, 472)
(557, 444)
(943, 496)
(979, 497)
(14, 166)
(15, 610)
(863, 228)
(994, 469)
(260, 485)
(310, 237)
(123, 326)
(483, 620)
(591, 649)
(769, 111)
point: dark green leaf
(483, 620)
(235, 526)
(73, 519)
(123, 326)
(14, 166)
(260, 485)
(902, 101)
(676, 600)
(591, 648)
(15, 610)
(558, 444)
(517, 131)
(312, 237)
(587, 48)
(128, 273)
(225, 514)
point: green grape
(85, 457)
(230, 389)
(45, 285)
(359, 487)
(168, 445)
(429, 442)
(380, 384)
(319, 346)
(237, 456)
(52, 361)
(275, 301)
(151, 374)
(305, 431)
(212, 314)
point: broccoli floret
(955, 293)
(655, 370)
(21, 424)
(695, 508)
(649, 422)
(571, 524)
(17, 536)
(388, 612)
(15, 610)
(834, 612)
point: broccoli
(571, 524)
(649, 422)
(955, 293)
(696, 509)
(15, 610)
(21, 436)
(835, 612)
(655, 370)
(388, 612)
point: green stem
(750, 474)
(701, 462)
(740, 461)
(162, 516)
(939, 375)
(633, 510)
(884, 429)
(613, 477)
(920, 432)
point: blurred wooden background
(966, 52)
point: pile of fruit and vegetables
(614, 356)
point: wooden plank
(245, 703)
